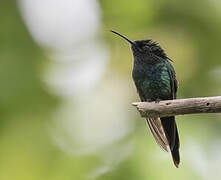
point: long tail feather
(171, 132)
(164, 131)
(157, 131)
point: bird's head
(144, 47)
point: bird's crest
(155, 48)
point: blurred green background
(65, 101)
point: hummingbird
(155, 80)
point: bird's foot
(157, 100)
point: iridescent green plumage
(155, 80)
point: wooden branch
(179, 107)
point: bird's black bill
(130, 41)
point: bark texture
(179, 107)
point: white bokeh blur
(93, 115)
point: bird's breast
(153, 82)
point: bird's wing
(173, 80)
(169, 123)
